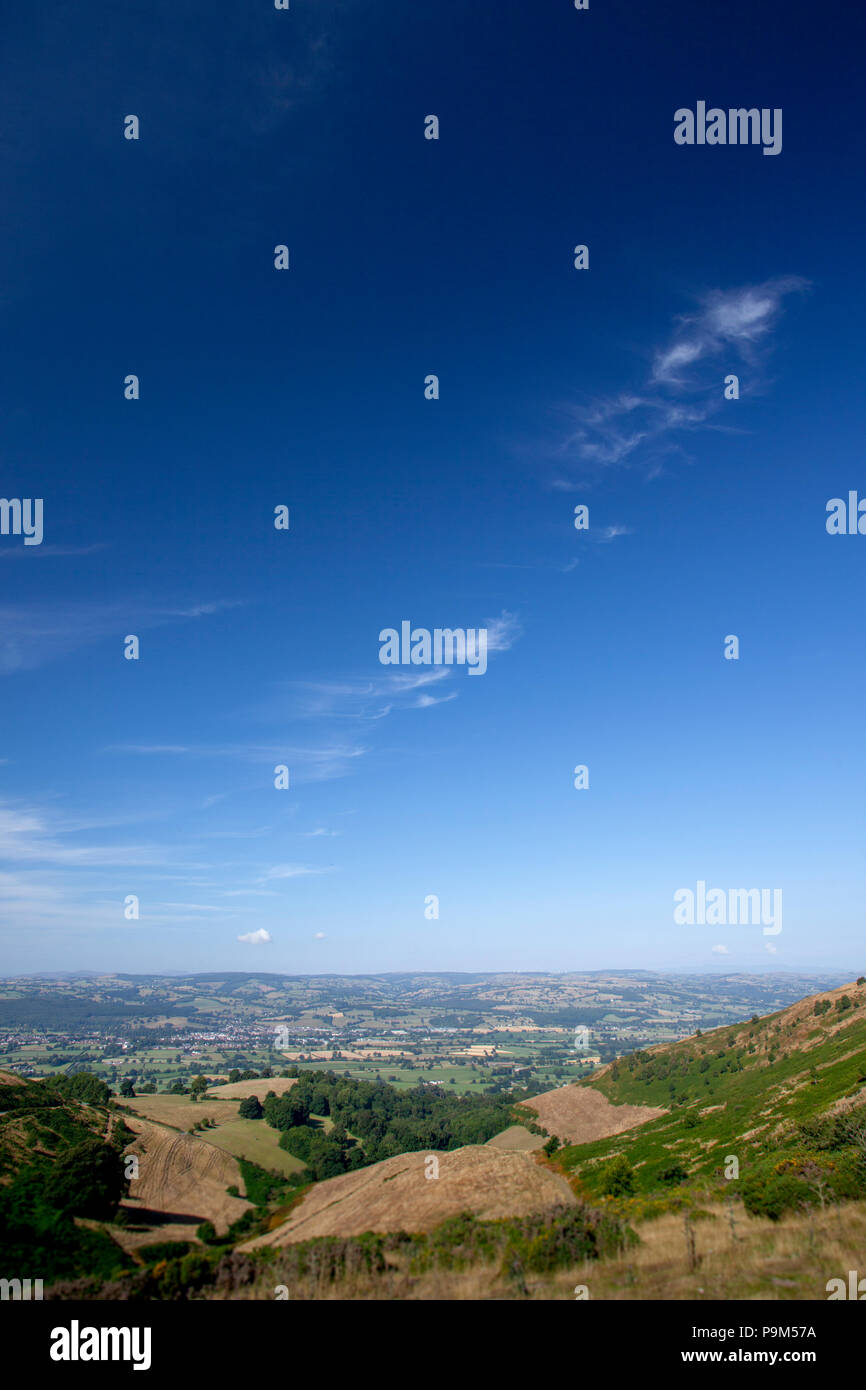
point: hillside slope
(784, 1089)
(60, 1167)
(35, 1119)
(182, 1180)
(578, 1114)
(395, 1195)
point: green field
(255, 1140)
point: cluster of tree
(325, 1155)
(383, 1120)
(843, 1003)
(83, 1086)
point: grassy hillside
(784, 1095)
(60, 1165)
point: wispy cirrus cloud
(282, 871)
(502, 632)
(371, 699)
(305, 764)
(361, 701)
(683, 389)
(27, 836)
(33, 634)
(738, 319)
(52, 551)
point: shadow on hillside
(146, 1216)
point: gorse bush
(618, 1178)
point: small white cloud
(320, 936)
(256, 938)
(721, 950)
(768, 946)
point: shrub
(618, 1178)
(773, 1196)
(674, 1176)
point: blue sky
(306, 388)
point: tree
(83, 1086)
(250, 1108)
(126, 1088)
(87, 1180)
(618, 1179)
